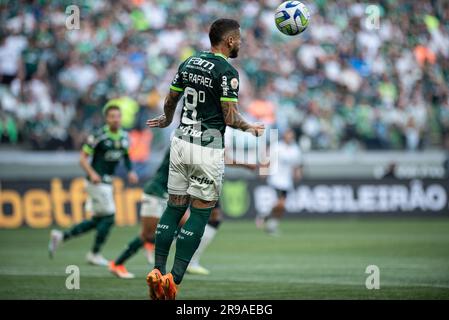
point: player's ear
(229, 41)
(233, 38)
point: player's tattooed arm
(232, 116)
(171, 101)
(234, 119)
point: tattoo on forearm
(232, 117)
(171, 101)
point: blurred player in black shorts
(282, 178)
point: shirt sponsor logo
(202, 63)
(190, 131)
(113, 155)
(202, 180)
(224, 85)
(187, 233)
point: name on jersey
(199, 79)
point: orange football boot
(120, 271)
(169, 286)
(154, 281)
(149, 246)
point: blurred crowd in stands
(346, 83)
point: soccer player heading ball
(210, 88)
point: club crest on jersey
(91, 139)
(234, 83)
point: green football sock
(80, 228)
(178, 230)
(164, 234)
(104, 225)
(130, 250)
(188, 240)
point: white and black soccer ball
(292, 17)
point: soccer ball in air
(292, 17)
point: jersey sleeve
(126, 156)
(90, 144)
(230, 84)
(177, 83)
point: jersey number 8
(191, 99)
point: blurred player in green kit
(106, 146)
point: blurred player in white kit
(282, 178)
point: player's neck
(111, 129)
(220, 51)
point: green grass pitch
(312, 259)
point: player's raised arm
(234, 119)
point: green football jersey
(107, 149)
(206, 79)
(157, 186)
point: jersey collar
(221, 55)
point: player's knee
(203, 204)
(280, 205)
(216, 215)
(105, 225)
(214, 223)
(178, 200)
(147, 236)
(109, 221)
(282, 200)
